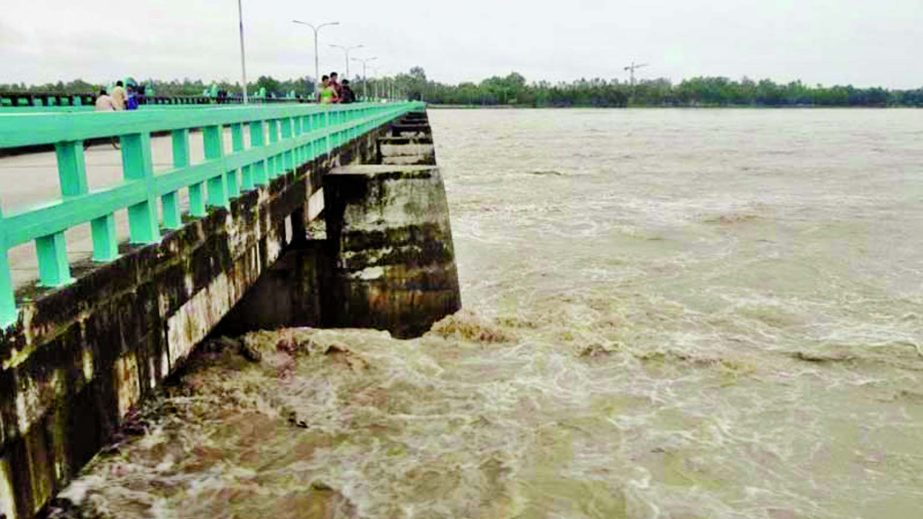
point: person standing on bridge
(348, 96)
(335, 83)
(104, 103)
(328, 94)
(119, 96)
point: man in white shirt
(104, 102)
(119, 96)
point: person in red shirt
(335, 83)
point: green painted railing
(296, 134)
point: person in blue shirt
(133, 101)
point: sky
(860, 42)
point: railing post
(288, 157)
(305, 127)
(137, 166)
(258, 140)
(105, 243)
(299, 150)
(312, 144)
(275, 166)
(214, 149)
(196, 191)
(8, 313)
(334, 136)
(237, 145)
(326, 126)
(53, 267)
(73, 176)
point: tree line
(514, 90)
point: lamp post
(365, 78)
(316, 29)
(243, 60)
(346, 50)
(375, 85)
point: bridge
(116, 263)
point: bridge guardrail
(296, 134)
(50, 101)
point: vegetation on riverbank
(515, 90)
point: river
(668, 314)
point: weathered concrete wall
(391, 241)
(413, 124)
(287, 294)
(407, 150)
(82, 356)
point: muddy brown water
(669, 314)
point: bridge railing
(282, 137)
(47, 101)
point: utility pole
(365, 77)
(316, 59)
(243, 59)
(632, 68)
(346, 50)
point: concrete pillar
(406, 150)
(415, 124)
(391, 246)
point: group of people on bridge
(332, 91)
(120, 98)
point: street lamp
(346, 50)
(365, 78)
(243, 61)
(375, 86)
(316, 29)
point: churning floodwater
(668, 314)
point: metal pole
(365, 77)
(243, 59)
(347, 50)
(316, 67)
(316, 58)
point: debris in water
(821, 357)
(465, 325)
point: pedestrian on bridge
(335, 83)
(133, 99)
(328, 94)
(119, 96)
(104, 103)
(348, 96)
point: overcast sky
(863, 42)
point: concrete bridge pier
(386, 260)
(412, 125)
(391, 244)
